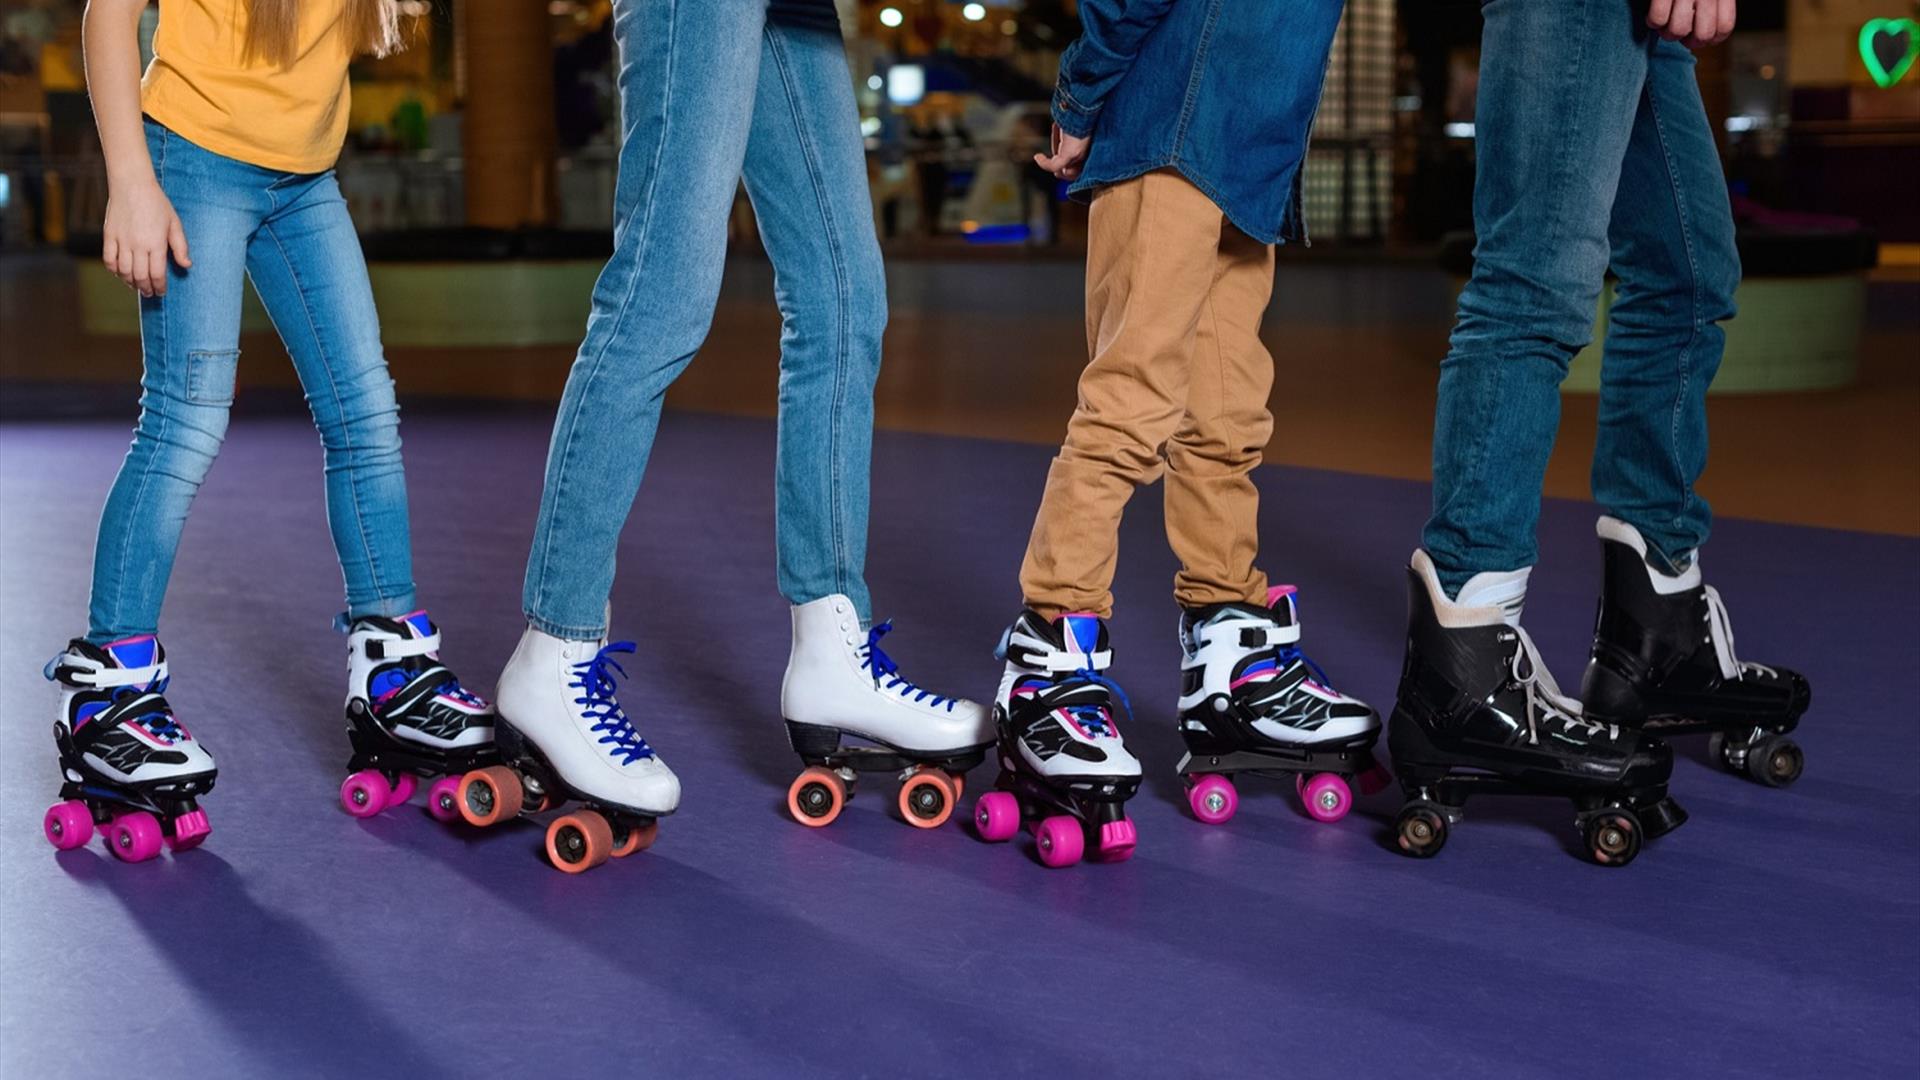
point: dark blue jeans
(1593, 151)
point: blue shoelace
(596, 681)
(883, 667)
(1095, 718)
(1289, 654)
(159, 719)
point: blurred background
(481, 164)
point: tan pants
(1177, 387)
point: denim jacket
(1224, 91)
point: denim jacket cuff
(1073, 118)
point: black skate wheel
(1613, 837)
(1775, 761)
(1421, 831)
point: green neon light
(1885, 75)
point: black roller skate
(1663, 662)
(131, 771)
(1478, 713)
(1064, 770)
(1252, 702)
(408, 717)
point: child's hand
(1069, 154)
(140, 231)
(1697, 23)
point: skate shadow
(701, 943)
(265, 979)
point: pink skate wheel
(1374, 780)
(402, 790)
(1060, 840)
(68, 825)
(1213, 799)
(1326, 797)
(189, 830)
(443, 799)
(996, 816)
(135, 836)
(1117, 840)
(364, 794)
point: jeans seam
(1685, 359)
(333, 389)
(836, 427)
(543, 540)
(146, 474)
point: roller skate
(839, 683)
(1065, 773)
(1479, 714)
(408, 717)
(1252, 702)
(562, 736)
(1663, 662)
(131, 771)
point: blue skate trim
(883, 666)
(596, 679)
(422, 625)
(1083, 632)
(137, 652)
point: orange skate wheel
(489, 796)
(639, 837)
(959, 784)
(579, 841)
(927, 799)
(816, 797)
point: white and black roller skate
(840, 683)
(408, 717)
(1064, 769)
(131, 771)
(563, 736)
(1478, 713)
(1252, 702)
(1663, 662)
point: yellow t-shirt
(204, 86)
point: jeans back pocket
(210, 375)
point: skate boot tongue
(1080, 640)
(134, 652)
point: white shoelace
(1720, 631)
(1544, 693)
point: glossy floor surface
(1777, 933)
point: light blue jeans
(291, 234)
(711, 92)
(1593, 151)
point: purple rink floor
(1778, 933)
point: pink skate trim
(1263, 675)
(189, 829)
(127, 641)
(1117, 840)
(1274, 593)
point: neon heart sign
(1880, 50)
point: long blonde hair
(372, 26)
